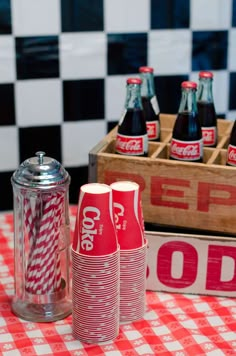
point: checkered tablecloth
(174, 324)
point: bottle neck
(133, 97)
(188, 101)
(147, 87)
(205, 90)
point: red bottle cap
(134, 81)
(145, 69)
(205, 74)
(189, 85)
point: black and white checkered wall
(63, 66)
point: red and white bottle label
(153, 129)
(131, 145)
(186, 150)
(231, 155)
(209, 136)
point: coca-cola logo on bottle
(231, 156)
(129, 145)
(209, 135)
(90, 217)
(185, 150)
(153, 129)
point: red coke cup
(128, 214)
(95, 232)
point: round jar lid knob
(40, 155)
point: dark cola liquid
(150, 114)
(206, 114)
(187, 128)
(133, 124)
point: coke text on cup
(95, 227)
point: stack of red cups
(133, 249)
(95, 267)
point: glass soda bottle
(150, 103)
(132, 138)
(206, 109)
(231, 150)
(186, 143)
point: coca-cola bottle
(186, 143)
(231, 150)
(206, 109)
(150, 103)
(132, 136)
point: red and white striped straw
(43, 270)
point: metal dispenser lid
(40, 171)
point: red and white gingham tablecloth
(174, 324)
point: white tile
(7, 59)
(220, 89)
(74, 345)
(6, 338)
(215, 321)
(232, 50)
(231, 115)
(34, 334)
(215, 353)
(12, 353)
(63, 329)
(173, 346)
(35, 17)
(42, 349)
(133, 335)
(78, 138)
(38, 102)
(126, 16)
(115, 94)
(83, 55)
(144, 350)
(2, 322)
(210, 14)
(202, 307)
(200, 339)
(161, 330)
(229, 336)
(170, 51)
(9, 160)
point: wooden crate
(187, 263)
(177, 194)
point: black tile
(6, 201)
(7, 104)
(80, 15)
(170, 14)
(126, 52)
(209, 50)
(111, 125)
(168, 92)
(37, 57)
(5, 17)
(79, 176)
(234, 13)
(221, 115)
(83, 99)
(43, 138)
(232, 91)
